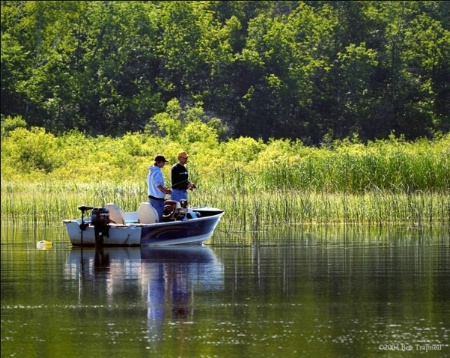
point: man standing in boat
(180, 178)
(155, 182)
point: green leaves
(188, 125)
(31, 151)
(266, 69)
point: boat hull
(193, 231)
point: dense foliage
(45, 178)
(268, 69)
(237, 165)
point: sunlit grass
(245, 209)
(259, 185)
(57, 201)
(253, 211)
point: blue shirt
(154, 179)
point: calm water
(329, 293)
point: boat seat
(116, 215)
(147, 214)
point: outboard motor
(171, 210)
(100, 221)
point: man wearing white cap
(180, 178)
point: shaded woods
(310, 70)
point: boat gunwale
(163, 223)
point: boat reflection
(166, 279)
(177, 276)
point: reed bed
(50, 202)
(245, 210)
(279, 183)
(290, 207)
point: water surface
(333, 293)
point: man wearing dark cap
(180, 178)
(155, 182)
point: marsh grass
(259, 185)
(246, 210)
(254, 211)
(50, 202)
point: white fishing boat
(110, 226)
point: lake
(291, 292)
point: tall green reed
(278, 183)
(50, 202)
(255, 211)
(246, 209)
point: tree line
(308, 70)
